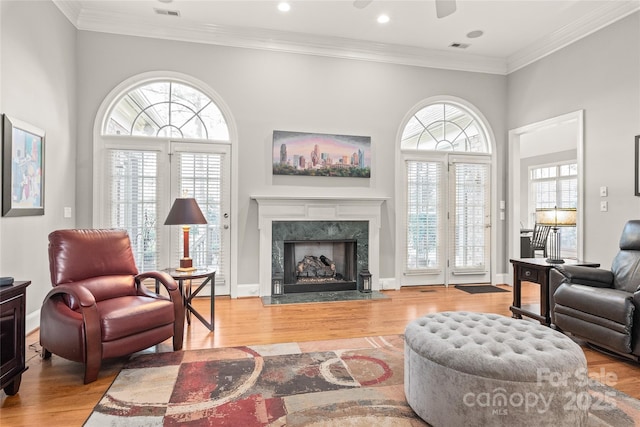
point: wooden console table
(12, 335)
(188, 294)
(535, 270)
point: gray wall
(268, 90)
(600, 74)
(38, 86)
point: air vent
(459, 45)
(167, 12)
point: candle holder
(364, 284)
(277, 285)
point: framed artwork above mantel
(22, 168)
(318, 154)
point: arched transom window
(166, 109)
(444, 127)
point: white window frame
(103, 142)
(400, 182)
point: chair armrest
(81, 294)
(174, 294)
(90, 319)
(160, 276)
(588, 276)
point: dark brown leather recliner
(99, 308)
(600, 306)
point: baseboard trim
(388, 284)
(503, 279)
(247, 290)
(32, 322)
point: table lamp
(556, 217)
(185, 211)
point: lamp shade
(557, 217)
(185, 211)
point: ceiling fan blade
(361, 4)
(445, 8)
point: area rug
(480, 289)
(351, 382)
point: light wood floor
(52, 392)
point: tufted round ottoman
(472, 369)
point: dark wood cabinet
(12, 335)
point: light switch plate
(67, 212)
(604, 206)
(603, 191)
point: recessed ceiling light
(165, 1)
(283, 6)
(383, 19)
(475, 34)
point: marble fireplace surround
(317, 208)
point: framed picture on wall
(637, 165)
(317, 154)
(22, 168)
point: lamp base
(186, 264)
(555, 261)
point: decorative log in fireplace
(313, 266)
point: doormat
(480, 289)
(327, 296)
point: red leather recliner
(99, 308)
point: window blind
(424, 223)
(202, 176)
(133, 202)
(470, 195)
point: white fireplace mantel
(317, 208)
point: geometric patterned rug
(346, 382)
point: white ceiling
(516, 32)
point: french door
(202, 171)
(141, 182)
(447, 219)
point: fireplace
(318, 218)
(314, 256)
(319, 265)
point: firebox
(320, 265)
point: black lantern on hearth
(364, 284)
(277, 285)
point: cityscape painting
(316, 154)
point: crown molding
(281, 41)
(70, 8)
(599, 18)
(170, 28)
